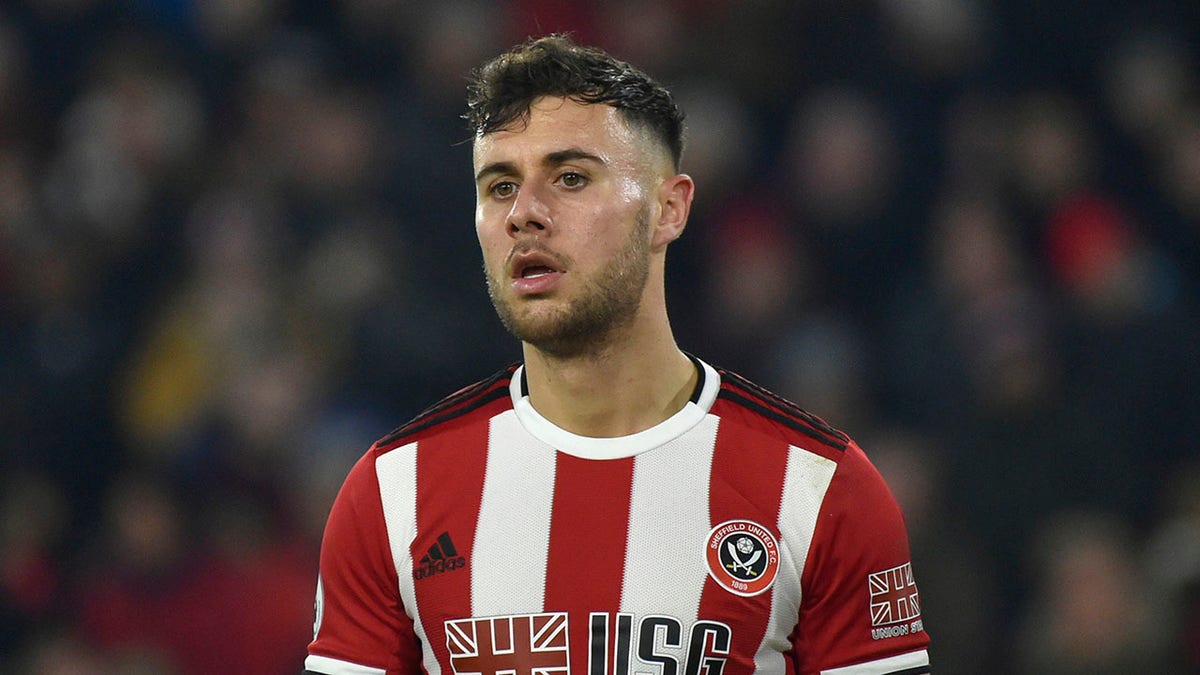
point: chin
(550, 332)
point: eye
(571, 179)
(503, 189)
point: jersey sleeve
(860, 611)
(361, 626)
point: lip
(535, 273)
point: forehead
(556, 123)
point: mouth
(535, 273)
(533, 265)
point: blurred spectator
(33, 522)
(650, 33)
(1051, 152)
(1173, 564)
(1146, 80)
(66, 654)
(13, 82)
(972, 361)
(840, 167)
(721, 142)
(144, 596)
(957, 577)
(1123, 296)
(972, 335)
(1179, 166)
(938, 39)
(125, 141)
(841, 159)
(235, 26)
(153, 596)
(226, 319)
(821, 361)
(756, 275)
(1094, 613)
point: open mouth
(533, 265)
(535, 273)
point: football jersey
(740, 535)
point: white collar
(588, 447)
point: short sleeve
(361, 626)
(860, 610)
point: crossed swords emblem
(738, 563)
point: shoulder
(752, 407)
(480, 400)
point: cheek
(630, 190)
(479, 229)
(612, 227)
(493, 253)
(484, 216)
(488, 229)
(492, 245)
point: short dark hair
(503, 89)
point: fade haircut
(503, 89)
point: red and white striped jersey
(741, 535)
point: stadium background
(236, 247)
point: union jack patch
(532, 643)
(894, 597)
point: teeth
(531, 272)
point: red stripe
(747, 484)
(449, 492)
(588, 533)
(733, 385)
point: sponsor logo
(895, 603)
(617, 644)
(743, 557)
(441, 557)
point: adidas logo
(442, 557)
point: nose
(530, 214)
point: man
(611, 505)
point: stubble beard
(607, 302)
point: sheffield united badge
(743, 557)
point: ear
(675, 203)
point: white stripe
(397, 474)
(512, 539)
(668, 523)
(805, 483)
(328, 666)
(892, 664)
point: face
(563, 215)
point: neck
(615, 390)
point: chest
(660, 558)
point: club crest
(743, 557)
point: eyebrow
(556, 158)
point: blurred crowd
(236, 246)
